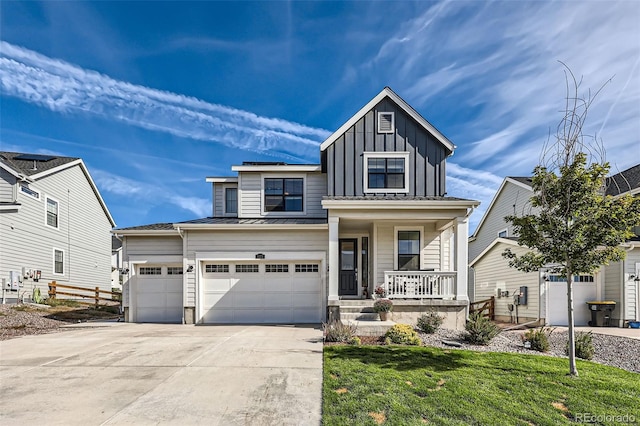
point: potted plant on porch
(383, 307)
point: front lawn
(400, 385)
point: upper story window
(231, 200)
(30, 192)
(503, 234)
(386, 172)
(283, 195)
(52, 212)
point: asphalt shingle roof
(393, 197)
(624, 181)
(31, 167)
(150, 227)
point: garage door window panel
(150, 270)
(174, 270)
(216, 269)
(306, 268)
(277, 268)
(248, 269)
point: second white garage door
(282, 292)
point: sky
(156, 96)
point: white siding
(493, 272)
(249, 241)
(612, 285)
(250, 194)
(631, 288)
(510, 195)
(146, 245)
(83, 234)
(218, 197)
(7, 187)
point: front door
(348, 267)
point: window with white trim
(253, 268)
(24, 188)
(150, 270)
(386, 172)
(283, 194)
(216, 269)
(174, 270)
(52, 212)
(503, 234)
(408, 250)
(386, 122)
(304, 267)
(231, 200)
(277, 268)
(58, 262)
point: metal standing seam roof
(32, 167)
(392, 197)
(255, 221)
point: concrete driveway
(162, 374)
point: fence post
(97, 296)
(492, 309)
(52, 289)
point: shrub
(383, 305)
(429, 322)
(402, 334)
(538, 338)
(480, 330)
(355, 341)
(584, 345)
(336, 331)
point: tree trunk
(572, 336)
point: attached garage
(269, 292)
(157, 293)
(584, 290)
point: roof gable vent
(385, 122)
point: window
(408, 250)
(277, 268)
(174, 270)
(576, 278)
(231, 200)
(386, 172)
(150, 270)
(216, 269)
(385, 122)
(503, 234)
(283, 195)
(307, 267)
(30, 192)
(58, 262)
(52, 212)
(247, 268)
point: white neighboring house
(301, 243)
(490, 274)
(54, 225)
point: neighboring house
(546, 293)
(297, 243)
(116, 263)
(54, 225)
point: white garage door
(159, 293)
(557, 308)
(282, 292)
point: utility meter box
(14, 281)
(521, 295)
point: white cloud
(66, 88)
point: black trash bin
(601, 313)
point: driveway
(161, 374)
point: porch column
(462, 257)
(334, 259)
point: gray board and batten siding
(343, 160)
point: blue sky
(155, 96)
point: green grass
(400, 385)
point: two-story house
(293, 243)
(54, 225)
(546, 298)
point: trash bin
(601, 313)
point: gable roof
(388, 93)
(31, 167)
(625, 181)
(521, 181)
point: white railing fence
(419, 284)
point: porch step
(359, 316)
(371, 328)
(355, 302)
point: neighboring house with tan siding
(304, 243)
(490, 274)
(53, 222)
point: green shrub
(37, 296)
(538, 338)
(429, 322)
(336, 331)
(402, 334)
(584, 345)
(62, 302)
(383, 305)
(355, 341)
(480, 330)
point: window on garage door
(280, 267)
(150, 270)
(306, 267)
(216, 269)
(253, 268)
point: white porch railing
(419, 285)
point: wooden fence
(81, 292)
(486, 307)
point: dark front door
(348, 267)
